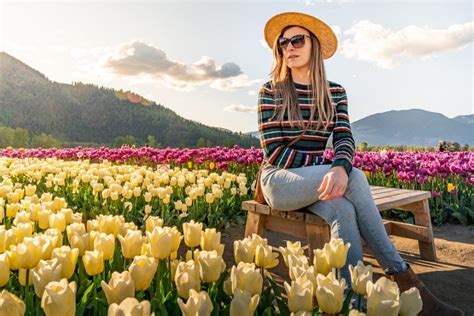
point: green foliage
(45, 141)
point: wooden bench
(303, 224)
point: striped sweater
(309, 149)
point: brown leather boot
(432, 306)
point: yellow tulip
(160, 242)
(22, 277)
(187, 278)
(43, 218)
(23, 230)
(57, 221)
(93, 262)
(297, 272)
(67, 257)
(265, 258)
(3, 238)
(47, 245)
(451, 187)
(197, 304)
(355, 312)
(152, 222)
(297, 261)
(291, 248)
(337, 252)
(130, 306)
(243, 304)
(120, 287)
(211, 265)
(12, 258)
(109, 224)
(246, 277)
(383, 297)
(46, 271)
(28, 253)
(142, 270)
(192, 233)
(81, 242)
(176, 238)
(321, 261)
(4, 269)
(211, 240)
(360, 275)
(30, 189)
(410, 302)
(131, 243)
(75, 228)
(330, 293)
(11, 305)
(56, 234)
(106, 244)
(59, 298)
(244, 251)
(300, 295)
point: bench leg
(255, 224)
(318, 235)
(423, 218)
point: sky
(206, 60)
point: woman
(298, 109)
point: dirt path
(451, 278)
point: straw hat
(321, 30)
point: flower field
(136, 231)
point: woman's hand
(334, 183)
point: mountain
(87, 113)
(413, 127)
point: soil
(451, 278)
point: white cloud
(234, 83)
(252, 92)
(371, 42)
(240, 108)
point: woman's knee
(340, 209)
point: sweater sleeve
(272, 141)
(343, 141)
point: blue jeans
(352, 216)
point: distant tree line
(445, 147)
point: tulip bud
(300, 295)
(291, 248)
(160, 242)
(142, 270)
(244, 251)
(152, 222)
(57, 221)
(67, 257)
(119, 287)
(243, 304)
(45, 272)
(211, 240)
(130, 306)
(337, 252)
(59, 298)
(106, 244)
(131, 243)
(360, 275)
(28, 253)
(410, 302)
(321, 261)
(265, 258)
(244, 276)
(211, 265)
(197, 304)
(383, 297)
(11, 305)
(330, 293)
(93, 262)
(187, 277)
(192, 233)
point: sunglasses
(296, 41)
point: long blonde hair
(282, 83)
